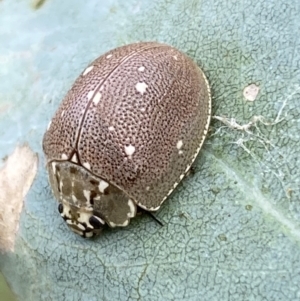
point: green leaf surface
(232, 230)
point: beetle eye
(96, 222)
(60, 208)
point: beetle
(126, 134)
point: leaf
(231, 231)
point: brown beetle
(126, 134)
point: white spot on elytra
(175, 184)
(179, 144)
(87, 70)
(64, 156)
(87, 165)
(87, 195)
(97, 98)
(90, 95)
(129, 150)
(141, 87)
(180, 152)
(143, 109)
(142, 69)
(132, 208)
(109, 56)
(111, 128)
(102, 186)
(62, 113)
(175, 57)
(148, 188)
(49, 124)
(74, 158)
(181, 177)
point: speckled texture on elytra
(140, 139)
(211, 247)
